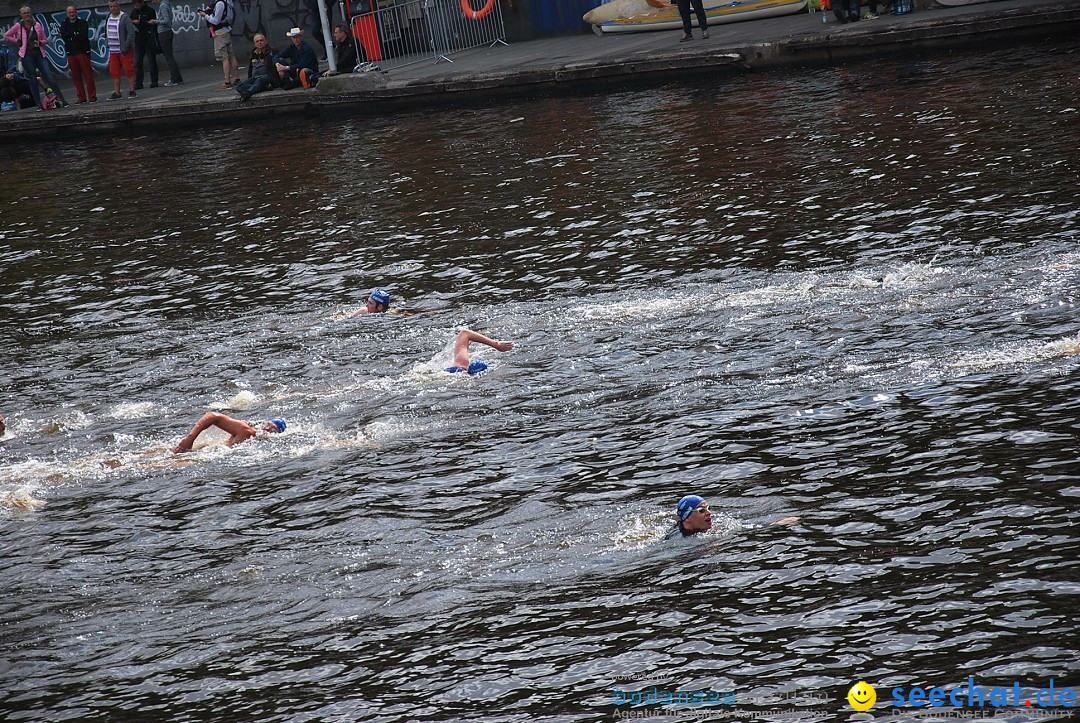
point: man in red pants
(76, 34)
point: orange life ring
(466, 7)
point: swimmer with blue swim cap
(461, 351)
(694, 517)
(237, 430)
(378, 301)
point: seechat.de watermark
(969, 695)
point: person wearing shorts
(120, 33)
(220, 22)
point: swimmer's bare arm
(237, 430)
(461, 346)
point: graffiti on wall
(252, 16)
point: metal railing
(417, 31)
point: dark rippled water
(847, 295)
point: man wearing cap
(237, 430)
(377, 302)
(296, 61)
(694, 517)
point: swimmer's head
(694, 514)
(275, 425)
(378, 301)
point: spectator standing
(262, 73)
(165, 38)
(76, 34)
(220, 23)
(687, 23)
(296, 61)
(29, 37)
(144, 19)
(316, 20)
(120, 33)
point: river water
(847, 295)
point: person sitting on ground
(13, 84)
(379, 301)
(298, 56)
(461, 351)
(262, 73)
(344, 57)
(237, 430)
(695, 516)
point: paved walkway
(562, 63)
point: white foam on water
(1016, 354)
(71, 421)
(244, 399)
(132, 410)
(644, 307)
(21, 499)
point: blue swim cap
(687, 505)
(279, 423)
(475, 367)
(381, 296)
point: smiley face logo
(862, 696)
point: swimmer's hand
(185, 444)
(787, 521)
(504, 345)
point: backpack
(226, 19)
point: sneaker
(131, 94)
(304, 79)
(705, 35)
(245, 96)
(686, 37)
(871, 16)
(227, 86)
(115, 96)
(170, 84)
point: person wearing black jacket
(144, 19)
(76, 34)
(344, 57)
